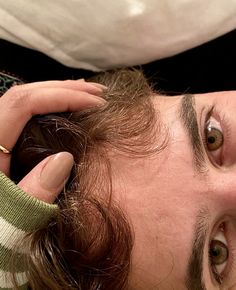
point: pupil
(215, 252)
(211, 139)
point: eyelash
(218, 277)
(226, 126)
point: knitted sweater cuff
(22, 210)
(20, 214)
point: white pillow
(99, 34)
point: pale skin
(164, 196)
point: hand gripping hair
(88, 244)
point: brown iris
(214, 138)
(218, 252)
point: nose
(223, 187)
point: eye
(214, 139)
(214, 135)
(218, 254)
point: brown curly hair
(88, 244)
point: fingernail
(56, 171)
(94, 90)
(97, 101)
(81, 80)
(100, 86)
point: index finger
(17, 107)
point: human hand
(19, 104)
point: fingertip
(47, 180)
(56, 171)
(93, 101)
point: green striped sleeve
(19, 214)
(23, 287)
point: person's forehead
(162, 209)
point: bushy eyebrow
(188, 116)
(194, 276)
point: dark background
(209, 67)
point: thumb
(47, 179)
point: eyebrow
(194, 277)
(188, 116)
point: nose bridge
(223, 187)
